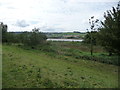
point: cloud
(21, 23)
(46, 28)
(53, 15)
(11, 8)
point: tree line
(32, 39)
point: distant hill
(65, 35)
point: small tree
(87, 38)
(91, 36)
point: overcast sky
(52, 15)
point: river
(75, 40)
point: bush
(33, 39)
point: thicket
(32, 39)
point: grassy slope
(27, 68)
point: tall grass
(79, 50)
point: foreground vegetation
(37, 69)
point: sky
(52, 15)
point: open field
(38, 69)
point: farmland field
(66, 35)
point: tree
(109, 33)
(91, 36)
(88, 39)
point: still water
(75, 40)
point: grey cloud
(51, 29)
(21, 23)
(11, 7)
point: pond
(74, 40)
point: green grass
(35, 69)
